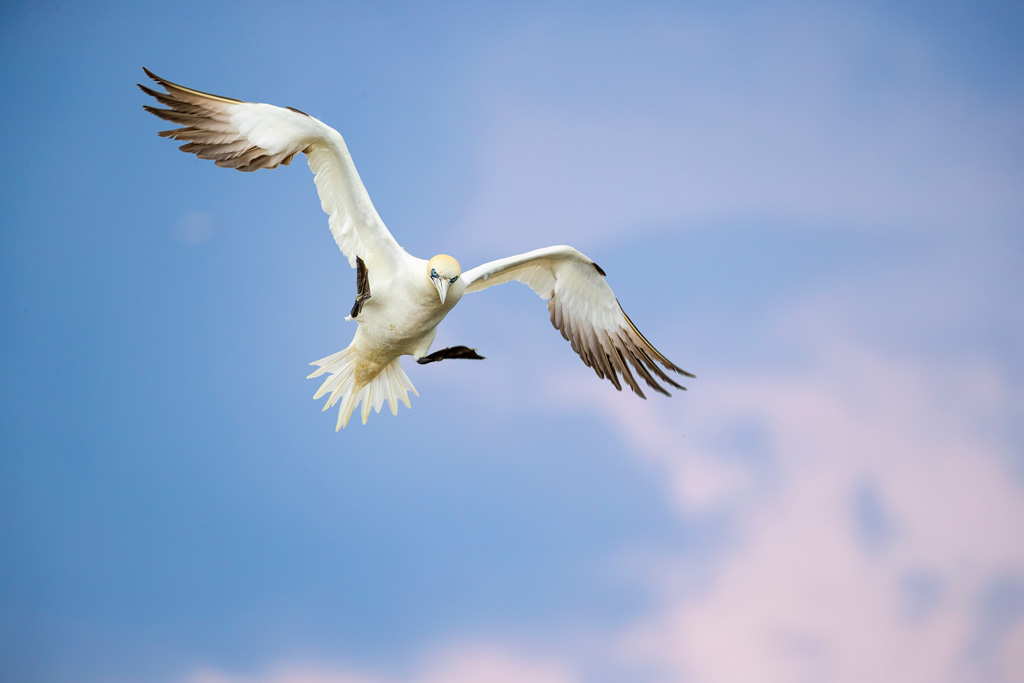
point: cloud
(285, 673)
(644, 123)
(889, 514)
(802, 596)
(195, 227)
(462, 663)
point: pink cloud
(458, 663)
(798, 595)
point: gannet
(401, 299)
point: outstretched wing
(248, 136)
(584, 309)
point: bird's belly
(400, 318)
(385, 342)
(385, 335)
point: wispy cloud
(195, 227)
(804, 593)
(873, 513)
(461, 663)
(688, 120)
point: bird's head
(443, 271)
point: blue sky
(816, 208)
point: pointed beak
(441, 285)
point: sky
(817, 208)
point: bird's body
(402, 299)
(402, 315)
(399, 318)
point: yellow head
(443, 271)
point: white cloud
(195, 227)
(834, 117)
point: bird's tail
(391, 384)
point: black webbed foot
(362, 287)
(451, 352)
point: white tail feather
(391, 384)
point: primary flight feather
(401, 299)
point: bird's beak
(441, 285)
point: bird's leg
(451, 352)
(362, 287)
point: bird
(401, 299)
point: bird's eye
(433, 272)
(452, 281)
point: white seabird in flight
(401, 299)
